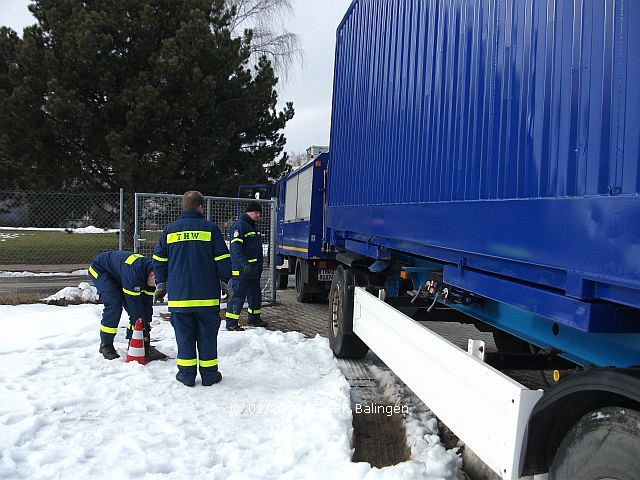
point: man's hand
(161, 291)
(247, 268)
(228, 292)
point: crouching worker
(192, 258)
(124, 279)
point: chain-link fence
(154, 211)
(54, 228)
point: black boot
(108, 352)
(188, 382)
(210, 380)
(235, 328)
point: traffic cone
(136, 345)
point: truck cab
(300, 246)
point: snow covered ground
(282, 409)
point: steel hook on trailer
(435, 300)
(420, 289)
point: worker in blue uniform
(190, 260)
(124, 279)
(246, 266)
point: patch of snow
(89, 229)
(43, 274)
(427, 451)
(83, 293)
(92, 229)
(599, 416)
(7, 236)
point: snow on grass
(83, 293)
(9, 236)
(75, 273)
(89, 229)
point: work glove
(228, 292)
(161, 291)
(247, 268)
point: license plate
(325, 274)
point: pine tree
(150, 95)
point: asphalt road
(39, 285)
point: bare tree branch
(265, 18)
(297, 159)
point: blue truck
(300, 247)
(485, 169)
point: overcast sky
(311, 83)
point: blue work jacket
(130, 271)
(192, 257)
(246, 248)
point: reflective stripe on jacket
(192, 257)
(246, 248)
(131, 271)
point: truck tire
(602, 444)
(304, 291)
(283, 280)
(344, 343)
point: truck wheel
(304, 291)
(344, 343)
(601, 445)
(283, 280)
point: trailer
(485, 169)
(301, 249)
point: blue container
(500, 136)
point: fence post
(135, 224)
(272, 252)
(209, 209)
(121, 229)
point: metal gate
(153, 211)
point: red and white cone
(136, 345)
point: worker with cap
(246, 268)
(124, 279)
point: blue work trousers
(112, 297)
(248, 289)
(197, 339)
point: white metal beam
(486, 409)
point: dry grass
(15, 298)
(65, 302)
